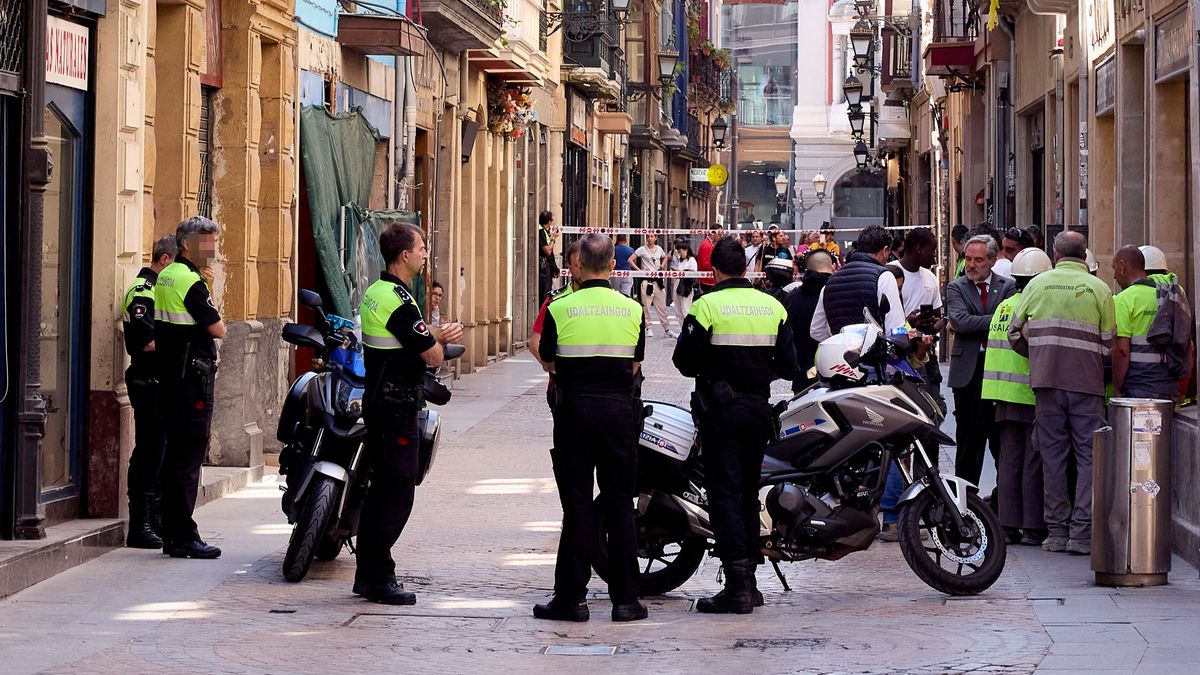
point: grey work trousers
(1020, 477)
(1065, 423)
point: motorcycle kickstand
(350, 545)
(782, 579)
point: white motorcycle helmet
(831, 353)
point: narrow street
(479, 552)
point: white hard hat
(831, 355)
(1030, 262)
(1155, 258)
(1090, 258)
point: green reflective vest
(379, 302)
(740, 317)
(138, 289)
(1005, 372)
(172, 287)
(596, 321)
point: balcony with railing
(897, 59)
(703, 81)
(592, 58)
(458, 25)
(956, 24)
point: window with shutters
(204, 197)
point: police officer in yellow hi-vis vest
(593, 341)
(397, 348)
(735, 341)
(1006, 381)
(141, 381)
(186, 325)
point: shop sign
(579, 119)
(718, 174)
(66, 53)
(1106, 86)
(1172, 42)
(698, 175)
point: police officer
(735, 341)
(186, 325)
(141, 380)
(593, 341)
(398, 347)
(1006, 381)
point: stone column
(1131, 140)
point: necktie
(982, 293)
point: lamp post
(862, 40)
(719, 127)
(819, 184)
(667, 61)
(853, 89)
(781, 186)
(861, 155)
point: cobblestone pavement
(479, 552)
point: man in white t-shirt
(651, 292)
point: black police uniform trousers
(187, 405)
(596, 435)
(149, 437)
(393, 457)
(733, 439)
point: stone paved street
(479, 552)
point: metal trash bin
(1131, 488)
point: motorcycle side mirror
(303, 335)
(452, 351)
(310, 299)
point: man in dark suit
(970, 301)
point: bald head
(1070, 244)
(819, 260)
(596, 256)
(1129, 266)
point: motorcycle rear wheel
(942, 560)
(312, 528)
(663, 565)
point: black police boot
(563, 610)
(154, 513)
(390, 592)
(737, 597)
(192, 549)
(758, 597)
(633, 611)
(140, 535)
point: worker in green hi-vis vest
(141, 381)
(186, 327)
(1006, 381)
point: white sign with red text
(67, 50)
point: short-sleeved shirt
(543, 241)
(920, 288)
(176, 343)
(650, 260)
(621, 253)
(402, 366)
(594, 374)
(139, 321)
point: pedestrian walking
(622, 252)
(397, 348)
(651, 257)
(971, 300)
(593, 341)
(736, 341)
(1006, 382)
(141, 381)
(1064, 323)
(685, 287)
(548, 269)
(800, 304)
(186, 325)
(863, 283)
(1139, 368)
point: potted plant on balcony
(510, 110)
(720, 58)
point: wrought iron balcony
(703, 83)
(458, 25)
(955, 20)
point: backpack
(1171, 330)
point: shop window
(204, 197)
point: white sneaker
(670, 334)
(649, 333)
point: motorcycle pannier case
(667, 437)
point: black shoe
(154, 514)
(634, 611)
(564, 611)
(737, 597)
(141, 535)
(1033, 537)
(1012, 535)
(389, 592)
(758, 597)
(192, 549)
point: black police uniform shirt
(177, 345)
(139, 329)
(401, 367)
(749, 370)
(591, 374)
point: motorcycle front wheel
(947, 561)
(312, 527)
(664, 562)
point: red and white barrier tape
(575, 229)
(661, 274)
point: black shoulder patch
(404, 295)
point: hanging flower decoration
(510, 110)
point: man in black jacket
(801, 303)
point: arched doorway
(858, 202)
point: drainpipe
(1084, 114)
(1005, 126)
(410, 121)
(399, 197)
(1059, 133)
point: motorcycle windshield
(904, 367)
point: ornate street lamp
(619, 7)
(862, 40)
(861, 155)
(781, 183)
(858, 120)
(864, 7)
(819, 184)
(666, 66)
(719, 128)
(853, 89)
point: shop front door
(63, 330)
